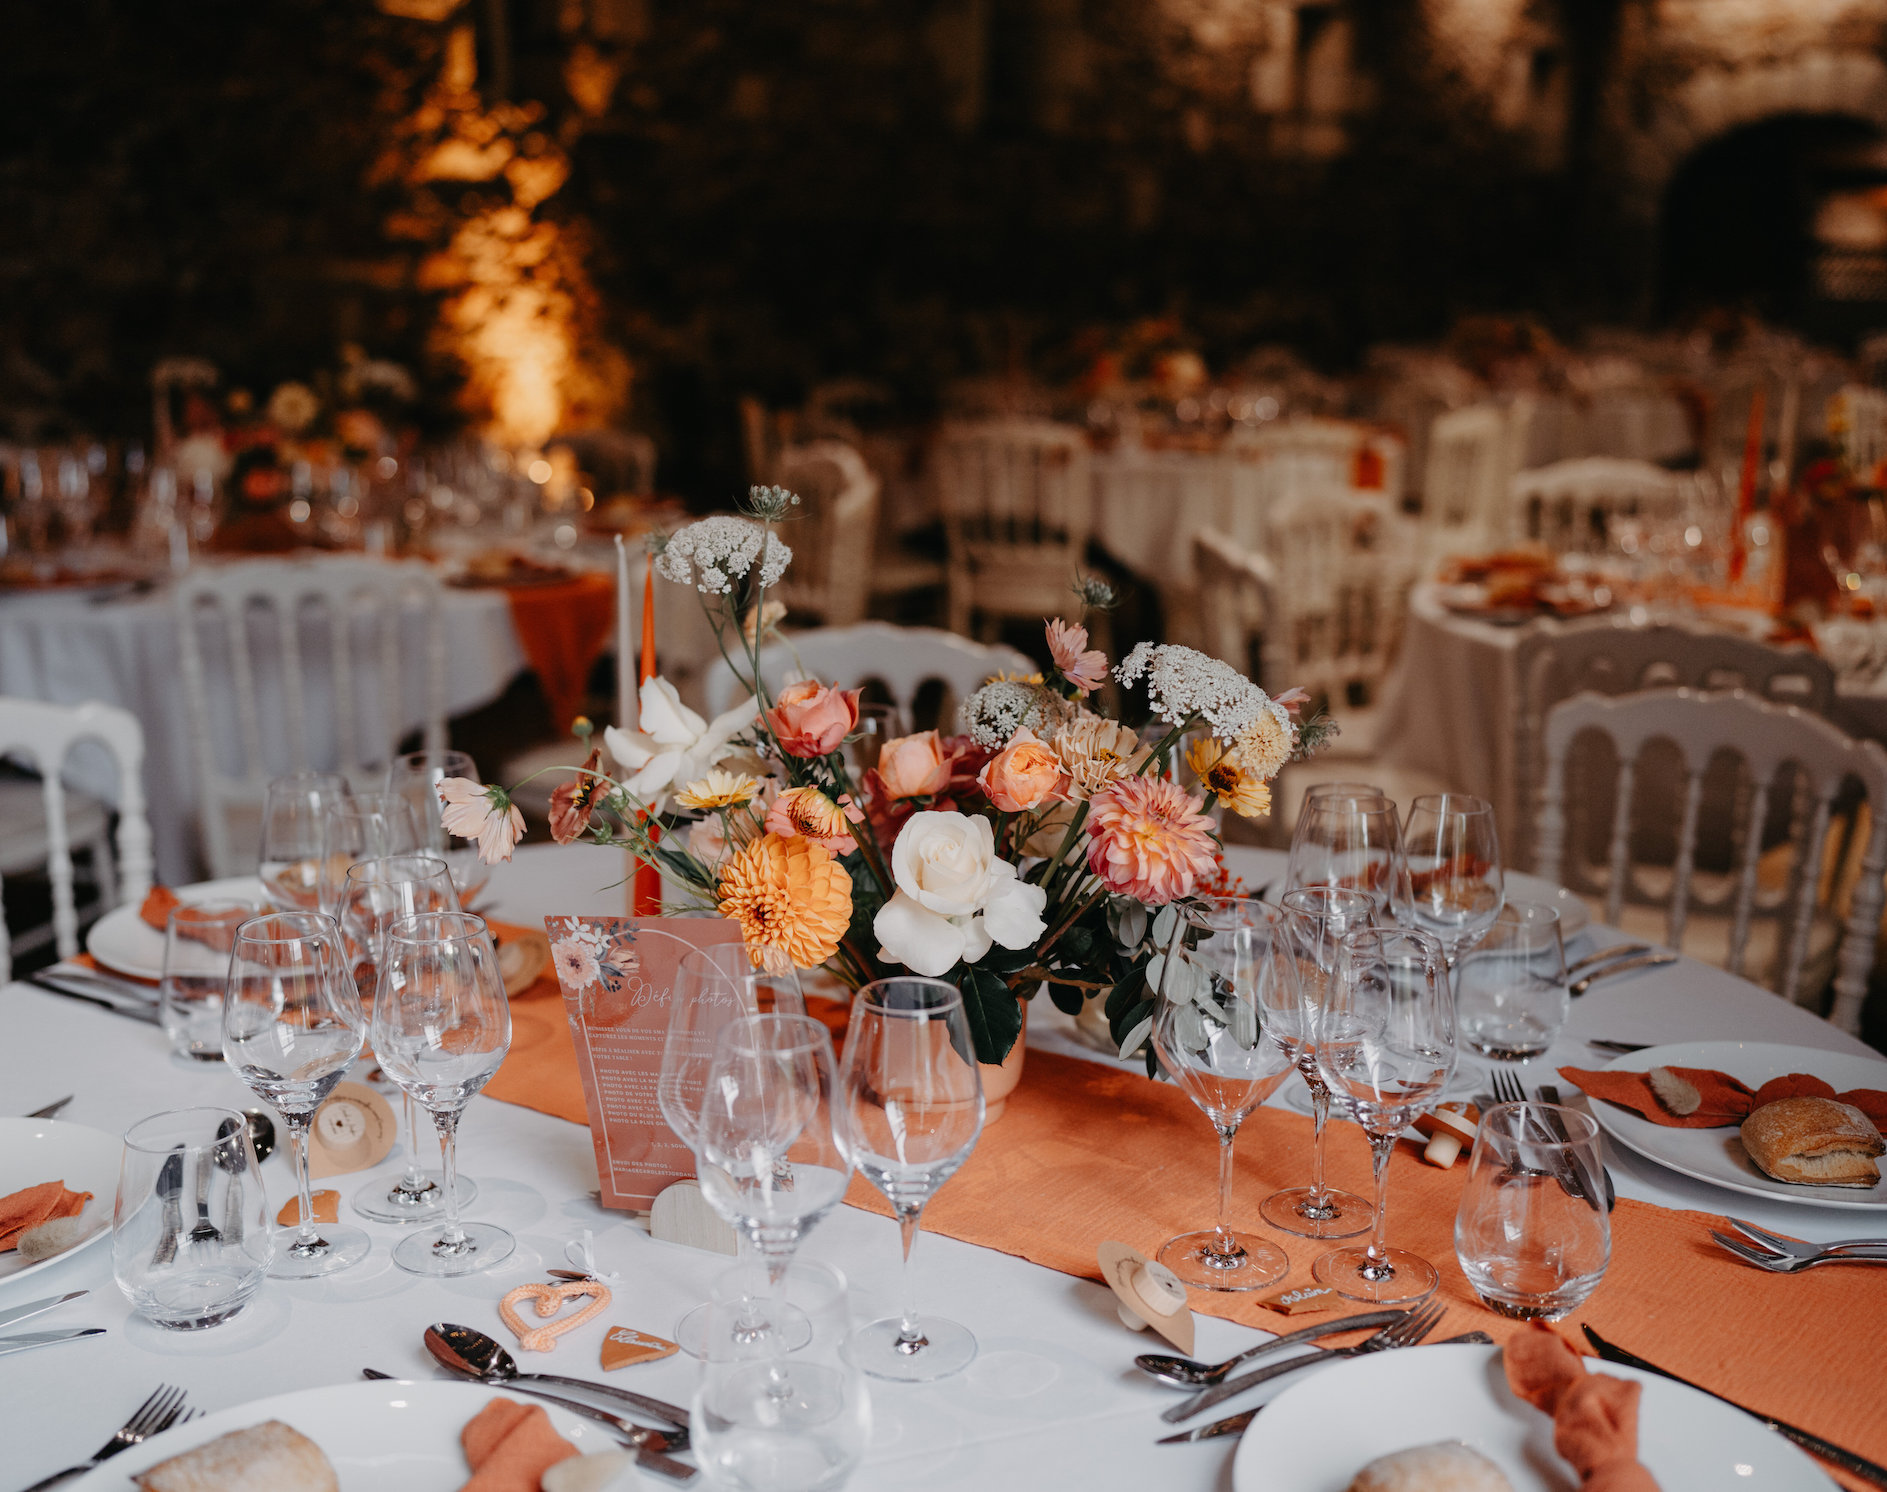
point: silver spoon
(1183, 1372)
(261, 1132)
(466, 1350)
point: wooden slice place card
(353, 1131)
(623, 1345)
(1149, 1294)
(618, 978)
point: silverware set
(1626, 958)
(1779, 1255)
(26, 1341)
(120, 996)
(1183, 1372)
(1508, 1089)
(164, 1408)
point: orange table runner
(1085, 1153)
(562, 629)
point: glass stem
(909, 1221)
(307, 1240)
(1320, 1120)
(1223, 1227)
(1381, 1147)
(415, 1178)
(447, 1121)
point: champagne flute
(291, 1025)
(1224, 974)
(716, 986)
(1452, 886)
(1313, 920)
(441, 1027)
(362, 826)
(1348, 839)
(374, 895)
(911, 1110)
(290, 858)
(1386, 1047)
(416, 777)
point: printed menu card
(618, 978)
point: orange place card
(326, 1205)
(1301, 1300)
(623, 1345)
(618, 978)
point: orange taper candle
(648, 880)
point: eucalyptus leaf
(1156, 973)
(1132, 925)
(1131, 1042)
(1244, 1024)
(1163, 924)
(1190, 1033)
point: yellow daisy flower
(718, 790)
(1219, 772)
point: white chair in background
(1235, 602)
(1803, 898)
(903, 659)
(1858, 415)
(1296, 456)
(1473, 454)
(340, 704)
(1571, 506)
(830, 578)
(43, 734)
(1017, 501)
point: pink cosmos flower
(473, 810)
(1147, 839)
(1084, 667)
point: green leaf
(1068, 998)
(994, 1014)
(1124, 993)
(1119, 1025)
(682, 866)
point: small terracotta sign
(623, 1345)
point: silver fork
(1789, 1246)
(155, 1415)
(1507, 1087)
(1781, 1255)
(1404, 1333)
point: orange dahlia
(1147, 839)
(789, 896)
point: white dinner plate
(125, 943)
(85, 1159)
(1318, 1434)
(1717, 1155)
(380, 1437)
(1574, 915)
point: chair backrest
(1472, 456)
(1235, 601)
(1566, 506)
(1858, 415)
(903, 659)
(1022, 483)
(1301, 456)
(262, 630)
(830, 576)
(1765, 736)
(44, 734)
(1345, 567)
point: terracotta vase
(999, 1080)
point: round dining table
(1051, 1401)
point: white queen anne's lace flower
(1182, 683)
(713, 554)
(991, 716)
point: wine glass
(292, 814)
(911, 1107)
(714, 987)
(441, 1027)
(1452, 886)
(291, 1025)
(766, 1156)
(374, 895)
(1348, 839)
(1313, 921)
(1224, 974)
(416, 778)
(362, 826)
(1386, 1047)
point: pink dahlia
(1147, 839)
(1075, 661)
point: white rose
(674, 745)
(954, 897)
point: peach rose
(1024, 775)
(810, 719)
(913, 766)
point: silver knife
(51, 1109)
(1833, 1454)
(45, 981)
(1606, 955)
(105, 984)
(26, 1341)
(1364, 1322)
(35, 1307)
(1649, 961)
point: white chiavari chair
(1473, 454)
(1235, 602)
(1571, 506)
(830, 578)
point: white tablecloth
(1051, 1402)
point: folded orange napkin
(1725, 1100)
(510, 1446)
(162, 901)
(157, 906)
(37, 1204)
(1595, 1416)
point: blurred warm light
(539, 471)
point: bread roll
(1814, 1142)
(1447, 1466)
(271, 1457)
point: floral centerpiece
(1034, 850)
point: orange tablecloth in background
(1086, 1153)
(562, 629)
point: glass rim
(220, 909)
(421, 757)
(873, 1003)
(1548, 913)
(324, 925)
(1315, 805)
(376, 861)
(1562, 1112)
(1323, 892)
(1358, 937)
(1344, 790)
(1463, 803)
(149, 1147)
(816, 1033)
(307, 775)
(371, 801)
(406, 927)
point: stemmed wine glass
(1215, 1039)
(441, 1027)
(1313, 921)
(1452, 888)
(291, 1025)
(1386, 1047)
(715, 987)
(292, 815)
(911, 1108)
(767, 1157)
(1348, 839)
(416, 778)
(362, 826)
(374, 895)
